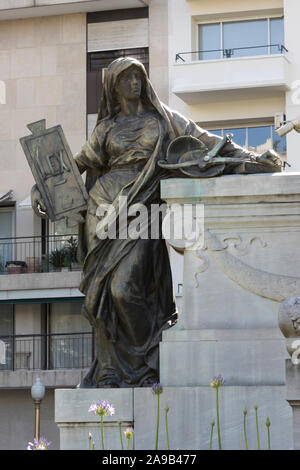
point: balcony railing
(46, 351)
(231, 52)
(38, 254)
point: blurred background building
(230, 66)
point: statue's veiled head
(125, 76)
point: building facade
(230, 66)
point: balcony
(237, 74)
(44, 254)
(59, 359)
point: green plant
(71, 249)
(57, 257)
(257, 430)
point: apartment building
(234, 66)
(231, 66)
(53, 56)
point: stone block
(25, 92)
(244, 357)
(5, 65)
(74, 28)
(192, 409)
(71, 58)
(75, 422)
(26, 62)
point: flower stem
(102, 433)
(257, 431)
(167, 433)
(157, 423)
(218, 418)
(211, 435)
(268, 424)
(120, 430)
(245, 433)
(128, 443)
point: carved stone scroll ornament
(271, 286)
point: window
(240, 38)
(6, 232)
(69, 351)
(256, 138)
(97, 64)
(6, 329)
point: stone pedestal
(247, 262)
(293, 398)
(233, 283)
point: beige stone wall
(43, 65)
(158, 48)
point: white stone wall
(231, 106)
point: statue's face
(129, 85)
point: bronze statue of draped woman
(127, 282)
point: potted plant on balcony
(71, 253)
(16, 267)
(57, 259)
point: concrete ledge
(253, 334)
(51, 378)
(64, 279)
(260, 185)
(16, 9)
(71, 406)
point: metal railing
(228, 53)
(46, 351)
(38, 254)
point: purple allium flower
(39, 444)
(102, 408)
(217, 381)
(157, 388)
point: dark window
(97, 63)
(6, 342)
(117, 15)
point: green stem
(90, 443)
(102, 433)
(128, 443)
(120, 430)
(167, 433)
(269, 441)
(218, 418)
(211, 436)
(257, 431)
(157, 423)
(245, 434)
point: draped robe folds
(127, 282)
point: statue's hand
(270, 157)
(37, 202)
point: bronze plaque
(55, 171)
